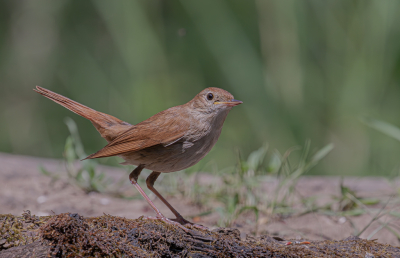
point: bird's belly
(172, 158)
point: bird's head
(214, 100)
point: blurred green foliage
(304, 69)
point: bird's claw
(183, 224)
(189, 224)
(168, 221)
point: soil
(23, 187)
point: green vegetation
(86, 174)
(239, 193)
(304, 70)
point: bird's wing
(164, 128)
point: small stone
(369, 255)
(104, 201)
(41, 199)
(3, 241)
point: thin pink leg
(150, 184)
(133, 176)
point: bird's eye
(210, 96)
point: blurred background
(304, 69)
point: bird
(169, 141)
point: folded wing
(164, 128)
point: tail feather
(108, 126)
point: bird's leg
(150, 184)
(133, 177)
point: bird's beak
(230, 103)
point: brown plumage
(169, 141)
(108, 126)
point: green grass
(85, 174)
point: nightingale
(169, 141)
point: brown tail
(108, 126)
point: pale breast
(175, 157)
(180, 155)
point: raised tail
(108, 126)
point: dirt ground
(23, 187)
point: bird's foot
(189, 224)
(179, 222)
(187, 227)
(168, 221)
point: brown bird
(172, 140)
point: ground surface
(23, 187)
(72, 235)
